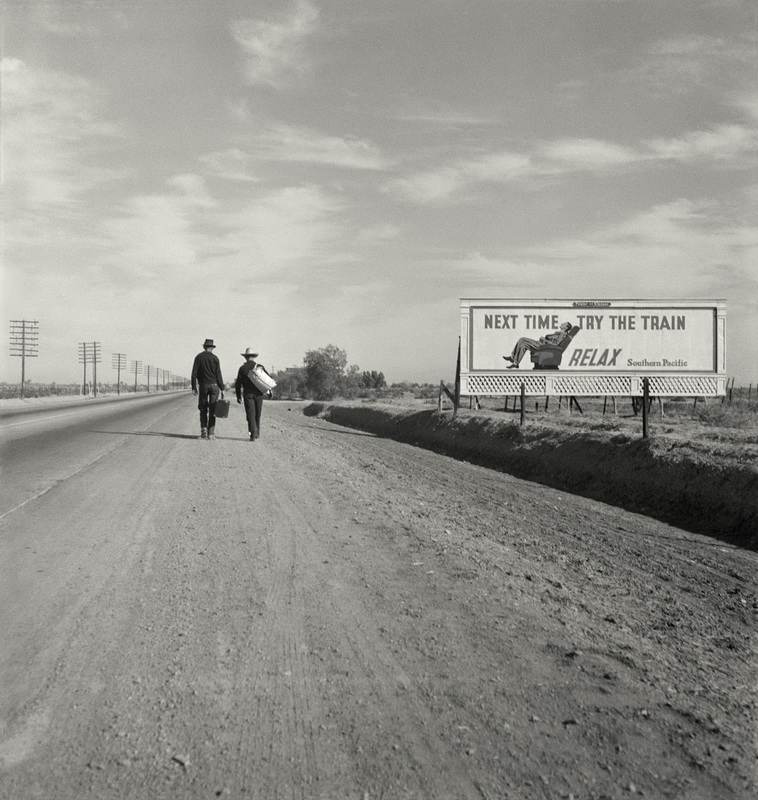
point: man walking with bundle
(246, 389)
(207, 383)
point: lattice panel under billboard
(684, 386)
(555, 383)
(505, 384)
(593, 385)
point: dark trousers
(522, 345)
(253, 408)
(207, 396)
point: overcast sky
(287, 174)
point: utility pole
(95, 353)
(24, 343)
(89, 352)
(119, 363)
(148, 378)
(137, 367)
(83, 352)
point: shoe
(211, 436)
(204, 433)
(512, 366)
(508, 358)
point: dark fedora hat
(208, 343)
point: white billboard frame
(705, 376)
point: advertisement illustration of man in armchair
(547, 351)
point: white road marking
(43, 419)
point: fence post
(523, 402)
(645, 405)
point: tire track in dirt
(415, 753)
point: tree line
(325, 375)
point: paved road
(325, 614)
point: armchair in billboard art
(608, 336)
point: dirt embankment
(707, 487)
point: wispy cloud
(275, 50)
(668, 250)
(576, 155)
(293, 225)
(232, 164)
(723, 143)
(287, 143)
(53, 129)
(733, 144)
(448, 183)
(676, 65)
(671, 244)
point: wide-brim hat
(249, 352)
(208, 343)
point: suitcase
(222, 409)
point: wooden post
(645, 405)
(457, 390)
(727, 398)
(523, 402)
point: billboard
(642, 337)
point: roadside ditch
(704, 487)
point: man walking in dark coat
(252, 395)
(207, 383)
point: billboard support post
(523, 402)
(457, 389)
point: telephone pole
(95, 353)
(137, 367)
(89, 352)
(83, 353)
(119, 363)
(24, 343)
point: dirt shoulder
(326, 613)
(704, 480)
